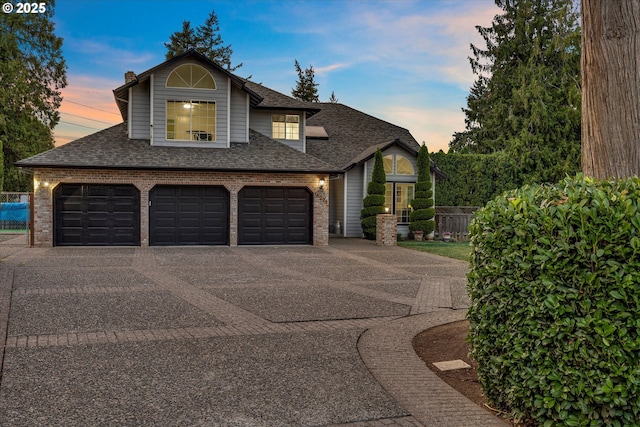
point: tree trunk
(611, 88)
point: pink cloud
(87, 107)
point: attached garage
(96, 215)
(188, 215)
(275, 216)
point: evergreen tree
(206, 39)
(526, 99)
(421, 217)
(306, 88)
(32, 73)
(333, 98)
(373, 204)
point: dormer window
(285, 126)
(191, 76)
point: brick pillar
(321, 216)
(233, 213)
(386, 230)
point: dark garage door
(274, 216)
(188, 215)
(96, 215)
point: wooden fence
(454, 219)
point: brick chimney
(129, 77)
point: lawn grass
(457, 250)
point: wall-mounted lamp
(386, 210)
(321, 183)
(37, 184)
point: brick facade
(46, 180)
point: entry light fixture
(322, 182)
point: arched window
(387, 161)
(403, 166)
(191, 76)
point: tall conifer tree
(306, 87)
(526, 99)
(32, 74)
(205, 38)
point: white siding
(140, 111)
(162, 94)
(260, 121)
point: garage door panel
(96, 215)
(271, 222)
(297, 223)
(189, 215)
(274, 215)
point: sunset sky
(402, 61)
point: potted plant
(446, 236)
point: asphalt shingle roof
(272, 99)
(351, 133)
(111, 149)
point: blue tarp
(14, 212)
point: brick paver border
(388, 353)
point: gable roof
(351, 133)
(121, 94)
(112, 149)
(260, 96)
(353, 137)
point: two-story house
(204, 157)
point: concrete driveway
(220, 336)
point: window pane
(293, 130)
(285, 126)
(388, 196)
(191, 120)
(191, 76)
(277, 126)
(404, 194)
(387, 161)
(403, 166)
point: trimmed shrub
(421, 217)
(555, 289)
(374, 202)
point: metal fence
(15, 218)
(455, 220)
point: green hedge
(474, 179)
(555, 288)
